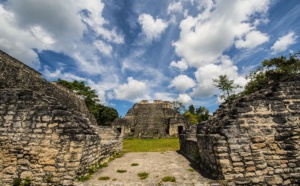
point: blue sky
(131, 50)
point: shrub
(134, 164)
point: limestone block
(49, 168)
(26, 174)
(52, 125)
(41, 125)
(273, 180)
(9, 170)
(46, 161)
(23, 161)
(46, 118)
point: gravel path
(157, 164)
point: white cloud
(175, 7)
(205, 74)
(103, 48)
(133, 90)
(181, 65)
(152, 28)
(204, 38)
(284, 42)
(184, 98)
(182, 83)
(252, 40)
(58, 26)
(165, 96)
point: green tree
(191, 117)
(195, 117)
(107, 115)
(202, 114)
(178, 107)
(104, 115)
(192, 109)
(272, 70)
(226, 85)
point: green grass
(168, 179)
(191, 170)
(150, 145)
(143, 175)
(104, 178)
(134, 164)
(121, 171)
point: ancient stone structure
(46, 132)
(253, 140)
(150, 120)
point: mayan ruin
(151, 120)
(45, 131)
(254, 140)
(149, 93)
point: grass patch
(103, 165)
(150, 145)
(114, 179)
(191, 170)
(168, 179)
(134, 164)
(116, 155)
(103, 178)
(143, 175)
(121, 171)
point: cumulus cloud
(182, 83)
(152, 28)
(184, 98)
(133, 90)
(166, 96)
(175, 7)
(205, 74)
(284, 42)
(205, 37)
(252, 40)
(181, 65)
(102, 88)
(54, 25)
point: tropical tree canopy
(272, 70)
(196, 116)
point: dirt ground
(157, 164)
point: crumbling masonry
(254, 140)
(46, 132)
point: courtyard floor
(157, 164)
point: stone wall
(255, 139)
(188, 143)
(46, 133)
(150, 120)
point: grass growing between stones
(134, 164)
(103, 178)
(150, 145)
(168, 179)
(97, 167)
(121, 171)
(143, 175)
